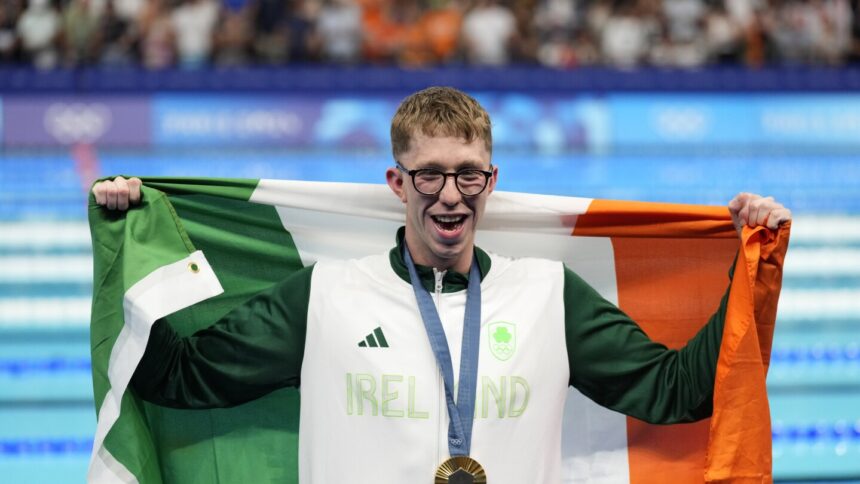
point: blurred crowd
(159, 34)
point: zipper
(438, 275)
(442, 435)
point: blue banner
(520, 121)
(527, 122)
(668, 120)
(293, 121)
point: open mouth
(448, 223)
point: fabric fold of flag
(195, 248)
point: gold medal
(460, 470)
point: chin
(447, 254)
(450, 252)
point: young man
(387, 416)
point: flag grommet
(194, 267)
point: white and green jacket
(349, 334)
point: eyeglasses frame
(412, 173)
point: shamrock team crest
(502, 339)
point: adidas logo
(374, 340)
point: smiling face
(440, 229)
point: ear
(493, 179)
(395, 181)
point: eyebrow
(463, 165)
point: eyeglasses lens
(469, 182)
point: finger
(778, 217)
(739, 208)
(99, 193)
(121, 193)
(753, 211)
(734, 211)
(134, 190)
(734, 208)
(763, 209)
(110, 191)
(756, 214)
(737, 203)
(743, 215)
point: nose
(450, 195)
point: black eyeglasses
(430, 181)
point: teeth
(448, 218)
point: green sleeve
(255, 349)
(613, 362)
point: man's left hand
(754, 210)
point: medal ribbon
(463, 412)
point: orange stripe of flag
(671, 264)
(614, 218)
(740, 449)
(679, 281)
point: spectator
(685, 53)
(339, 32)
(8, 33)
(271, 37)
(412, 47)
(80, 25)
(743, 12)
(627, 36)
(194, 27)
(156, 36)
(723, 36)
(116, 38)
(488, 32)
(412, 41)
(441, 24)
(127, 11)
(39, 28)
(754, 44)
(558, 33)
(557, 50)
(788, 36)
(854, 49)
(382, 32)
(300, 29)
(523, 45)
(585, 50)
(683, 18)
(554, 16)
(233, 36)
(597, 15)
(564, 31)
(832, 39)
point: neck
(461, 266)
(461, 262)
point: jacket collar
(452, 282)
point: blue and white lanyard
(461, 413)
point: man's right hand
(117, 194)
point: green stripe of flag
(249, 250)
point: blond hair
(440, 111)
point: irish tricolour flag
(195, 248)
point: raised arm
(255, 349)
(613, 362)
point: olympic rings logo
(681, 123)
(77, 122)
